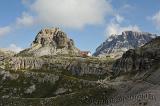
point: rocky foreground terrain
(53, 78)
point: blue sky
(88, 22)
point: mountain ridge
(116, 45)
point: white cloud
(127, 7)
(14, 47)
(71, 13)
(4, 30)
(156, 19)
(26, 2)
(115, 28)
(119, 18)
(25, 20)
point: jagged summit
(51, 41)
(116, 45)
(54, 37)
(136, 33)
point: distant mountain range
(116, 45)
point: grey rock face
(140, 59)
(51, 42)
(116, 45)
(76, 65)
(17, 63)
(4, 54)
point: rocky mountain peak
(116, 45)
(132, 33)
(51, 41)
(54, 37)
(136, 33)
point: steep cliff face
(74, 65)
(139, 60)
(51, 41)
(116, 45)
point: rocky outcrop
(51, 41)
(140, 59)
(20, 63)
(116, 45)
(5, 54)
(74, 65)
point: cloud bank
(14, 47)
(4, 30)
(25, 20)
(156, 19)
(115, 28)
(71, 13)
